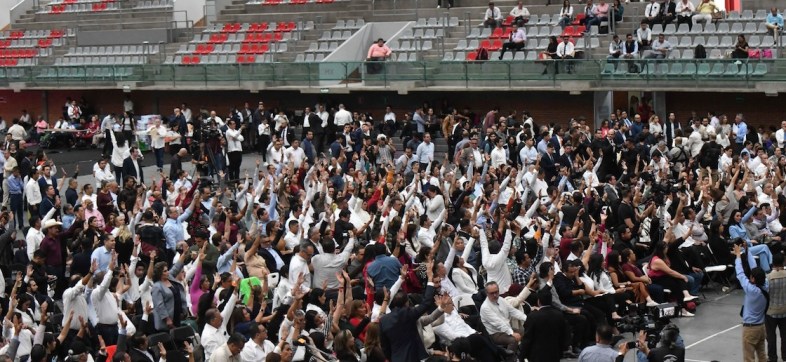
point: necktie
(652, 9)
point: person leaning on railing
(378, 52)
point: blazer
(42, 183)
(164, 299)
(129, 170)
(545, 335)
(401, 341)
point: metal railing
(597, 73)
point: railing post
(467, 21)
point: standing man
(739, 129)
(157, 132)
(341, 118)
(754, 307)
(776, 313)
(234, 148)
(131, 166)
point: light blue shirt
(173, 231)
(742, 131)
(776, 19)
(754, 305)
(598, 353)
(103, 256)
(224, 262)
(425, 152)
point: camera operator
(670, 347)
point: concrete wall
(188, 11)
(11, 10)
(122, 37)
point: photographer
(670, 347)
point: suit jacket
(545, 336)
(316, 123)
(668, 130)
(400, 339)
(42, 183)
(270, 260)
(669, 8)
(548, 163)
(138, 356)
(129, 170)
(290, 135)
(175, 165)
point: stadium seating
(332, 39)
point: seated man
(378, 52)
(496, 313)
(704, 12)
(566, 51)
(630, 50)
(660, 48)
(644, 35)
(589, 13)
(520, 14)
(615, 47)
(516, 41)
(685, 9)
(652, 13)
(493, 16)
(462, 337)
(774, 22)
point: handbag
(766, 53)
(544, 56)
(754, 53)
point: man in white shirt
(453, 327)
(156, 131)
(494, 259)
(275, 153)
(685, 9)
(16, 131)
(295, 154)
(33, 192)
(234, 148)
(34, 234)
(516, 41)
(74, 300)
(342, 117)
(566, 51)
(299, 266)
(528, 154)
(499, 155)
(644, 35)
(520, 14)
(651, 13)
(105, 303)
(258, 347)
(780, 135)
(102, 172)
(492, 17)
(214, 335)
(425, 152)
(660, 48)
(496, 314)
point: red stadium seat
(485, 43)
(264, 48)
(508, 21)
(579, 18)
(506, 34)
(496, 45)
(195, 59)
(496, 34)
(471, 56)
(245, 49)
(251, 58)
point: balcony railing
(489, 74)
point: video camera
(651, 320)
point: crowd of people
(523, 241)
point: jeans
(18, 210)
(771, 324)
(694, 282)
(764, 254)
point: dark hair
(236, 339)
(543, 272)
(777, 259)
(595, 266)
(605, 333)
(544, 296)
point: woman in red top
(661, 273)
(358, 318)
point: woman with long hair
(634, 274)
(373, 344)
(661, 273)
(602, 282)
(123, 238)
(344, 347)
(620, 281)
(737, 231)
(359, 318)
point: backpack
(482, 54)
(700, 52)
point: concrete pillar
(602, 106)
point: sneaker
(685, 313)
(690, 298)
(652, 304)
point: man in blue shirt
(173, 228)
(754, 307)
(774, 22)
(740, 130)
(103, 255)
(384, 270)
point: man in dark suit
(132, 166)
(545, 331)
(176, 164)
(668, 12)
(670, 128)
(400, 339)
(286, 134)
(549, 164)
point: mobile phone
(631, 344)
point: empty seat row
(237, 48)
(721, 28)
(219, 59)
(532, 32)
(689, 70)
(406, 45)
(760, 14)
(470, 56)
(155, 4)
(18, 62)
(291, 2)
(30, 43)
(23, 53)
(114, 50)
(436, 22)
(336, 35)
(259, 27)
(79, 8)
(241, 38)
(90, 72)
(66, 2)
(422, 34)
(323, 47)
(309, 58)
(350, 24)
(35, 34)
(105, 60)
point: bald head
(183, 152)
